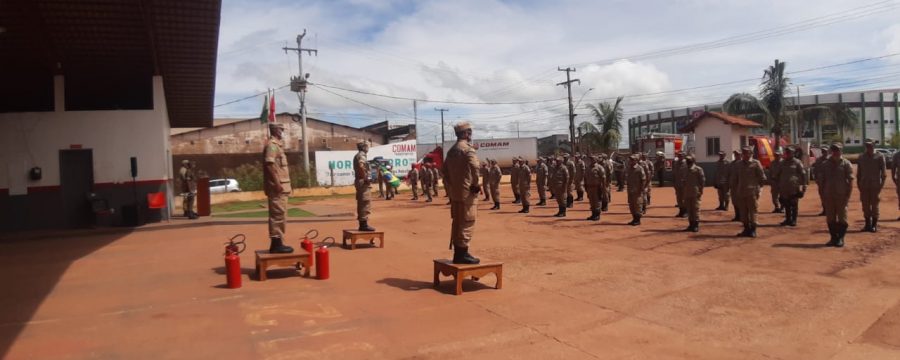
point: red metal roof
(725, 118)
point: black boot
(787, 217)
(580, 196)
(778, 210)
(276, 246)
(570, 201)
(595, 215)
(868, 226)
(604, 206)
(696, 227)
(364, 226)
(841, 231)
(543, 202)
(737, 215)
(462, 256)
(517, 200)
(744, 233)
(874, 227)
(496, 205)
(833, 232)
(690, 226)
(561, 212)
(752, 232)
(725, 205)
(527, 209)
(637, 220)
(552, 196)
(682, 212)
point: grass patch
(301, 199)
(238, 206)
(293, 212)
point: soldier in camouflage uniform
(363, 186)
(496, 175)
(648, 169)
(610, 167)
(413, 177)
(722, 187)
(773, 181)
(514, 180)
(570, 185)
(895, 175)
(693, 180)
(485, 173)
(524, 186)
(542, 172)
(792, 181)
(594, 180)
(461, 178)
(733, 184)
(660, 167)
(637, 181)
(837, 183)
(559, 183)
(750, 179)
(870, 175)
(427, 180)
(677, 176)
(579, 177)
(817, 167)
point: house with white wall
(713, 132)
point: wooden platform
(461, 271)
(356, 235)
(298, 259)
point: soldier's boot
(690, 226)
(841, 231)
(580, 195)
(696, 227)
(462, 256)
(644, 209)
(744, 233)
(276, 246)
(193, 216)
(364, 226)
(682, 212)
(527, 209)
(524, 207)
(637, 220)
(570, 201)
(868, 225)
(543, 202)
(593, 215)
(552, 196)
(725, 205)
(752, 232)
(737, 215)
(822, 213)
(787, 217)
(561, 212)
(833, 233)
(604, 205)
(874, 227)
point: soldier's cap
(185, 161)
(276, 125)
(777, 151)
(869, 142)
(790, 148)
(722, 153)
(462, 125)
(635, 157)
(836, 146)
(736, 152)
(659, 153)
(689, 157)
(747, 149)
(362, 142)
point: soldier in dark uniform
(461, 176)
(637, 179)
(363, 186)
(722, 188)
(792, 181)
(277, 183)
(693, 181)
(559, 184)
(485, 180)
(870, 175)
(541, 172)
(677, 174)
(837, 183)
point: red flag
(272, 107)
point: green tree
(609, 119)
(841, 114)
(771, 104)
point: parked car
(888, 154)
(218, 186)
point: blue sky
(508, 51)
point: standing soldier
(188, 188)
(277, 182)
(495, 177)
(677, 176)
(837, 183)
(485, 180)
(652, 169)
(895, 175)
(818, 166)
(435, 177)
(870, 175)
(413, 177)
(774, 169)
(660, 167)
(637, 179)
(733, 184)
(693, 179)
(579, 177)
(379, 177)
(594, 179)
(559, 185)
(619, 165)
(363, 186)
(427, 180)
(792, 181)
(461, 177)
(610, 167)
(525, 186)
(648, 168)
(722, 186)
(542, 171)
(514, 180)
(750, 179)
(570, 185)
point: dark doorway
(76, 180)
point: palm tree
(840, 114)
(773, 100)
(588, 137)
(609, 118)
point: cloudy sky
(498, 60)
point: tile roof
(728, 119)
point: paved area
(572, 290)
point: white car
(218, 186)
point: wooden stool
(461, 271)
(356, 235)
(264, 260)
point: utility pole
(416, 119)
(568, 84)
(442, 123)
(517, 130)
(298, 85)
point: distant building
(552, 144)
(714, 132)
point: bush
(249, 176)
(299, 178)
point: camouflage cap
(747, 149)
(462, 125)
(722, 153)
(836, 146)
(689, 157)
(869, 142)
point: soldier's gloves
(475, 189)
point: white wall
(35, 138)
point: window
(743, 141)
(712, 146)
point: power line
(442, 101)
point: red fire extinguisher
(322, 263)
(307, 244)
(233, 261)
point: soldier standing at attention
(435, 177)
(379, 177)
(363, 186)
(594, 178)
(637, 179)
(413, 177)
(660, 166)
(461, 177)
(427, 180)
(542, 171)
(188, 188)
(514, 180)
(837, 183)
(559, 184)
(619, 166)
(648, 169)
(895, 175)
(733, 184)
(722, 187)
(570, 186)
(870, 175)
(774, 168)
(525, 186)
(750, 179)
(677, 166)
(818, 166)
(611, 167)
(485, 180)
(579, 177)
(277, 182)
(694, 179)
(422, 173)
(792, 181)
(495, 177)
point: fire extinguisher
(233, 261)
(307, 244)
(322, 260)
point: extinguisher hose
(314, 232)
(240, 245)
(325, 242)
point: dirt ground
(572, 289)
